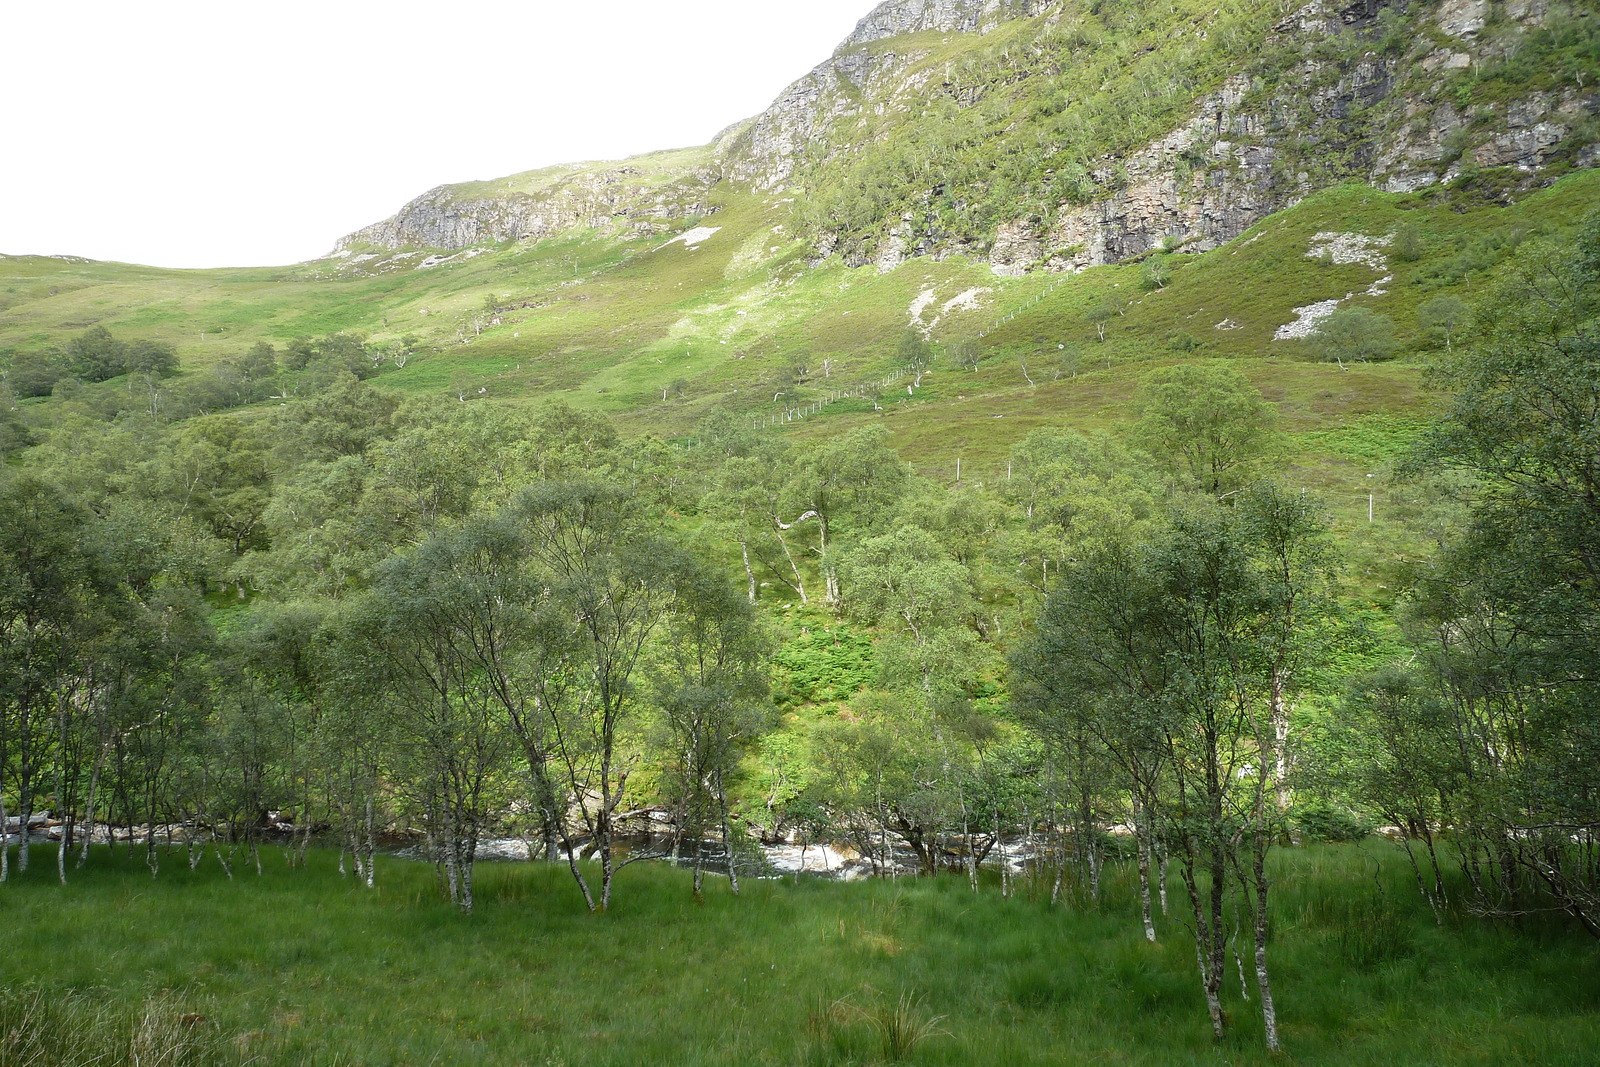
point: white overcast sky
(240, 132)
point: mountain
(1057, 134)
(1004, 178)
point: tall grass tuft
(899, 1028)
(70, 1030)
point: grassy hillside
(658, 333)
(608, 324)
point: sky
(178, 133)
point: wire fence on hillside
(874, 389)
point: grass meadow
(306, 967)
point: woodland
(1176, 649)
(240, 642)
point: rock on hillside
(1382, 119)
(1254, 110)
(900, 17)
(1378, 91)
(765, 151)
(642, 197)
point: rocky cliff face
(898, 18)
(856, 80)
(642, 200)
(1388, 92)
(1363, 104)
(1247, 153)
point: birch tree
(712, 682)
(1175, 650)
(1508, 617)
(454, 742)
(611, 578)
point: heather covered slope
(735, 315)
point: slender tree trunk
(830, 575)
(1142, 841)
(370, 842)
(227, 868)
(24, 812)
(469, 858)
(1279, 709)
(1422, 885)
(970, 861)
(452, 873)
(62, 842)
(727, 835)
(1269, 1011)
(1207, 939)
(1162, 854)
(577, 872)
(799, 583)
(88, 814)
(5, 837)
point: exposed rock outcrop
(1249, 148)
(801, 124)
(900, 17)
(1357, 102)
(630, 199)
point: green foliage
(1377, 440)
(826, 665)
(1355, 335)
(1322, 820)
(1510, 606)
(912, 350)
(32, 374)
(1560, 54)
(1473, 254)
(95, 355)
(1004, 140)
(1157, 273)
(1442, 316)
(1408, 245)
(966, 355)
(1207, 421)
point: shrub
(1355, 335)
(1320, 820)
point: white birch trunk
(1144, 890)
(749, 572)
(1269, 1010)
(1279, 709)
(727, 836)
(88, 814)
(370, 843)
(1162, 875)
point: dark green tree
(95, 355)
(1509, 613)
(1355, 335)
(155, 358)
(32, 374)
(1208, 422)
